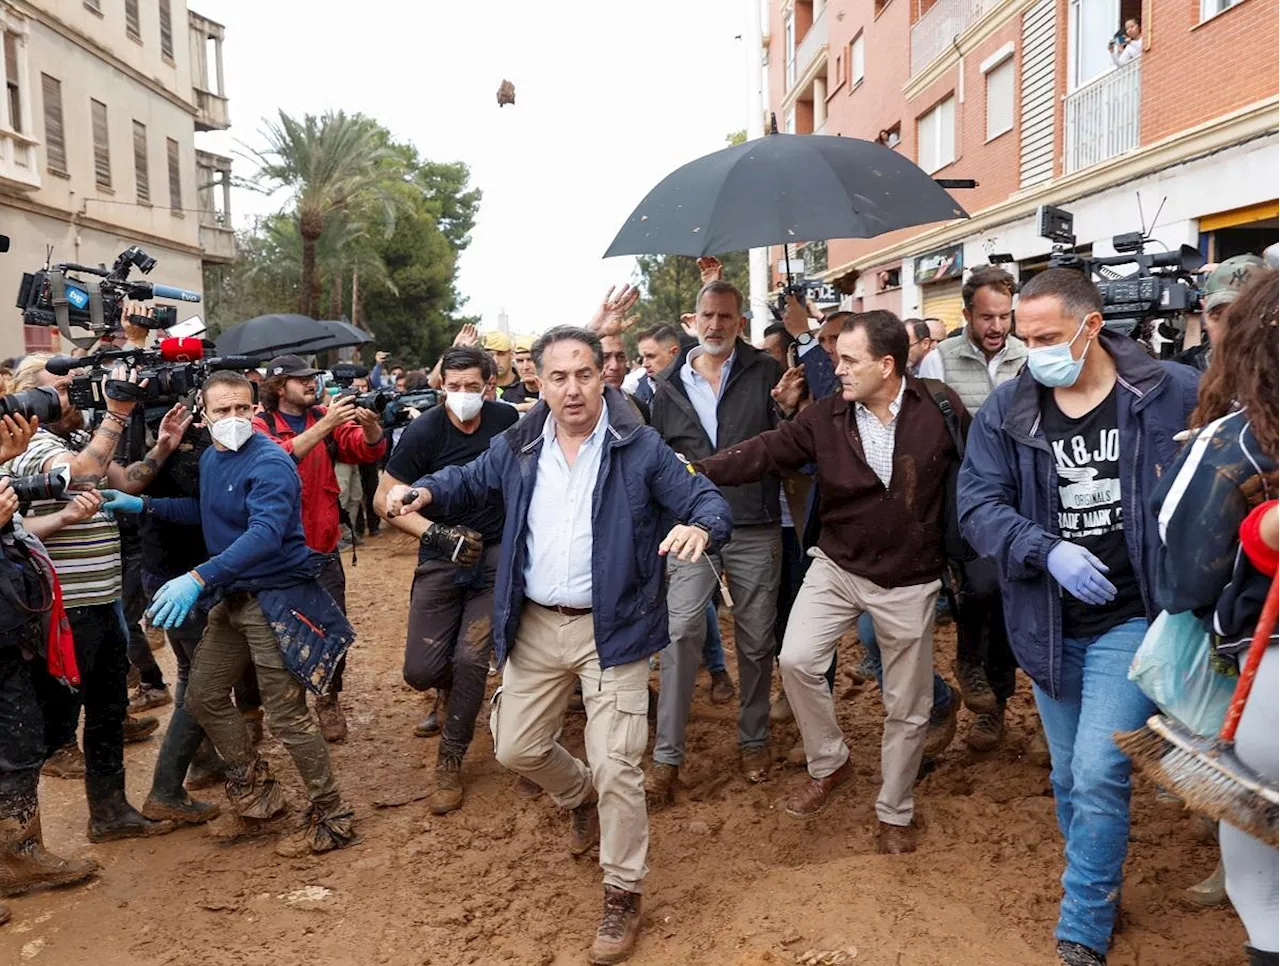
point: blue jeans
(1091, 775)
(867, 635)
(713, 649)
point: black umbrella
(779, 190)
(339, 335)
(268, 334)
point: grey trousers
(1251, 866)
(753, 563)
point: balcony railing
(942, 23)
(1103, 118)
(811, 45)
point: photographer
(84, 546)
(37, 712)
(450, 634)
(317, 438)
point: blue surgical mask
(1053, 366)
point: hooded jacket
(1008, 492)
(641, 485)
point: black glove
(461, 546)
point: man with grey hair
(712, 396)
(588, 491)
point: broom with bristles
(1205, 771)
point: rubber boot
(25, 864)
(111, 817)
(168, 799)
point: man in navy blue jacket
(580, 596)
(250, 510)
(1056, 488)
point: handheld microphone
(181, 350)
(176, 294)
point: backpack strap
(937, 389)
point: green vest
(965, 370)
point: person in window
(1126, 45)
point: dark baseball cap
(290, 366)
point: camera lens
(41, 401)
(376, 400)
(42, 486)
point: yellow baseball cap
(522, 343)
(497, 342)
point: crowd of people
(581, 517)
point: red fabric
(61, 646)
(319, 482)
(1259, 554)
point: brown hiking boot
(181, 811)
(25, 864)
(619, 927)
(253, 725)
(333, 725)
(66, 762)
(147, 697)
(584, 828)
(986, 731)
(756, 763)
(975, 689)
(321, 831)
(139, 729)
(942, 726)
(448, 794)
(811, 797)
(660, 784)
(721, 690)
(896, 839)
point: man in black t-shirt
(450, 632)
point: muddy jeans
(829, 603)
(236, 636)
(551, 652)
(449, 641)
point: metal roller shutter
(942, 301)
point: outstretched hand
(609, 318)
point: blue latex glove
(173, 602)
(113, 502)
(1080, 573)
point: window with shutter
(175, 174)
(857, 65)
(55, 147)
(101, 145)
(140, 163)
(11, 82)
(166, 30)
(1000, 98)
(936, 136)
(132, 23)
(94, 5)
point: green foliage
(669, 285)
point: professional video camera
(1136, 287)
(394, 407)
(51, 296)
(173, 372)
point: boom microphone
(63, 365)
(236, 363)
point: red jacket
(319, 482)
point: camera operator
(272, 612)
(84, 546)
(450, 634)
(1221, 288)
(317, 438)
(37, 712)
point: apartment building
(98, 144)
(1024, 97)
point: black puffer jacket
(746, 409)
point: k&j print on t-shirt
(1088, 484)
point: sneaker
(1075, 954)
(619, 927)
(333, 725)
(722, 690)
(975, 689)
(942, 726)
(66, 762)
(147, 697)
(986, 731)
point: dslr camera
(55, 296)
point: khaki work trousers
(552, 651)
(829, 603)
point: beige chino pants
(828, 604)
(551, 652)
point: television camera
(1137, 286)
(54, 296)
(396, 408)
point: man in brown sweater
(883, 453)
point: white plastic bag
(1172, 668)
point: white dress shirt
(878, 438)
(705, 400)
(558, 542)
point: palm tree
(336, 167)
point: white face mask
(232, 432)
(464, 405)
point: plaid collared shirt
(877, 438)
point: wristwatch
(804, 338)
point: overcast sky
(611, 95)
